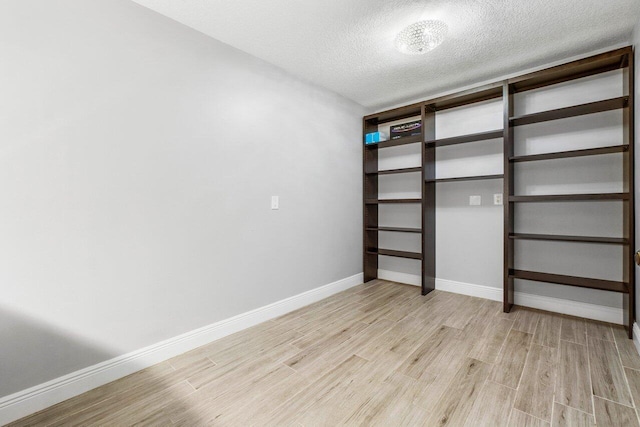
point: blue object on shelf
(375, 137)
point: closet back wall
(137, 161)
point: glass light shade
(421, 37)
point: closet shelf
(466, 97)
(462, 139)
(582, 282)
(395, 114)
(563, 238)
(598, 64)
(397, 254)
(573, 111)
(466, 178)
(395, 142)
(572, 153)
(394, 171)
(570, 197)
(380, 201)
(396, 229)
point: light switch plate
(475, 200)
(497, 199)
(275, 202)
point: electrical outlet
(475, 200)
(497, 199)
(275, 202)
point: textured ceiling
(347, 45)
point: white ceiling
(347, 45)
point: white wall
(137, 162)
(469, 238)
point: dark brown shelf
(380, 201)
(573, 153)
(395, 142)
(466, 178)
(562, 238)
(573, 111)
(466, 97)
(597, 64)
(395, 114)
(397, 254)
(463, 139)
(570, 197)
(394, 171)
(396, 229)
(583, 282)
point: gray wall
(137, 162)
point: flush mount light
(421, 37)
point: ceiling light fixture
(421, 37)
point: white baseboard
(558, 305)
(23, 403)
(480, 291)
(572, 308)
(636, 336)
(394, 276)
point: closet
(550, 156)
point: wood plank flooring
(380, 354)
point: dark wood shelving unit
(582, 282)
(571, 154)
(614, 60)
(464, 139)
(394, 253)
(371, 202)
(395, 229)
(472, 96)
(467, 178)
(506, 91)
(569, 197)
(573, 111)
(564, 238)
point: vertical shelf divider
(370, 211)
(628, 299)
(508, 206)
(428, 200)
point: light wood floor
(381, 354)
